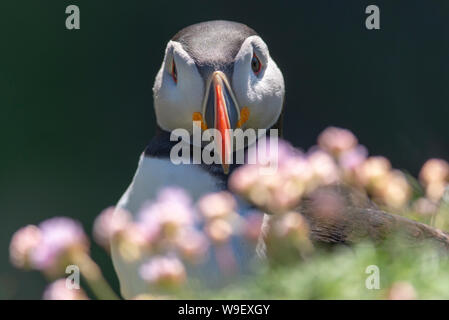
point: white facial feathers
(175, 103)
(263, 94)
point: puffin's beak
(221, 110)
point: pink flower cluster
(47, 247)
(337, 158)
(58, 290)
(173, 231)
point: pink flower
(434, 176)
(165, 271)
(373, 170)
(324, 167)
(402, 291)
(59, 237)
(268, 152)
(435, 190)
(394, 190)
(174, 194)
(217, 205)
(58, 290)
(291, 224)
(434, 170)
(336, 140)
(219, 231)
(297, 166)
(110, 221)
(23, 243)
(132, 242)
(263, 162)
(244, 178)
(425, 207)
(192, 245)
(171, 212)
(276, 188)
(353, 158)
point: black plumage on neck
(160, 147)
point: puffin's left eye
(256, 65)
(174, 72)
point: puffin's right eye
(256, 65)
(174, 73)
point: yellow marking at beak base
(244, 116)
(198, 117)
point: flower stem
(92, 273)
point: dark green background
(76, 106)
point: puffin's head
(220, 73)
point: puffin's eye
(174, 73)
(256, 65)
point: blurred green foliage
(342, 275)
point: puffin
(221, 75)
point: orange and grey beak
(221, 110)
